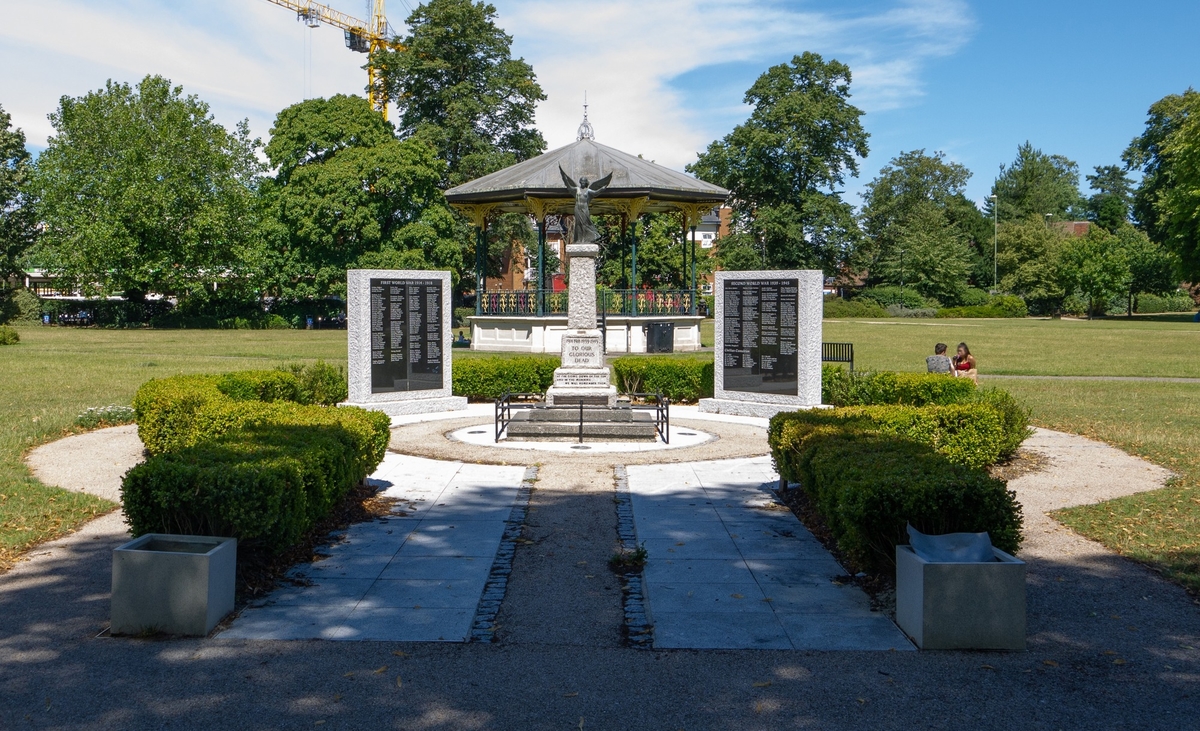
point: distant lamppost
(995, 245)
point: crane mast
(361, 37)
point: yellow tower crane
(361, 36)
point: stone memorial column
(583, 377)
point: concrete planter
(961, 606)
(180, 585)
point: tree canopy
(785, 163)
(140, 190)
(1036, 184)
(1167, 203)
(18, 222)
(1109, 206)
(458, 88)
(347, 193)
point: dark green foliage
(320, 383)
(992, 310)
(1011, 305)
(266, 483)
(20, 305)
(482, 379)
(18, 219)
(968, 434)
(838, 307)
(868, 487)
(105, 313)
(264, 386)
(9, 336)
(843, 388)
(461, 314)
(894, 295)
(679, 379)
(1149, 304)
(1014, 418)
(1036, 184)
(975, 297)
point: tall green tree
(1036, 184)
(917, 203)
(18, 222)
(785, 164)
(1093, 267)
(1167, 204)
(1151, 267)
(1028, 260)
(458, 88)
(1109, 206)
(348, 193)
(141, 190)
(1148, 152)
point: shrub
(265, 484)
(481, 379)
(892, 295)
(902, 311)
(1149, 304)
(9, 335)
(679, 379)
(320, 383)
(461, 314)
(97, 416)
(260, 386)
(868, 487)
(1011, 305)
(837, 307)
(1013, 415)
(974, 297)
(975, 311)
(842, 388)
(20, 305)
(968, 434)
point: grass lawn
(1142, 346)
(55, 373)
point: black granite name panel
(406, 335)
(761, 335)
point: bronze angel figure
(584, 192)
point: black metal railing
(662, 412)
(504, 408)
(838, 353)
(620, 302)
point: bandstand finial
(585, 128)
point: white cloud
(247, 57)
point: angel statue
(585, 232)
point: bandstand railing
(619, 302)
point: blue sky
(973, 79)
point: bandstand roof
(647, 186)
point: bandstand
(534, 320)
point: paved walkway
(730, 567)
(419, 577)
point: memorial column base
(410, 407)
(583, 377)
(761, 409)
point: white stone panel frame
(809, 317)
(358, 326)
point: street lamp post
(995, 246)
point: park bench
(838, 353)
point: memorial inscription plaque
(406, 335)
(761, 337)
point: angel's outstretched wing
(571, 185)
(601, 183)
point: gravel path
(1111, 644)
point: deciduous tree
(18, 223)
(787, 161)
(141, 190)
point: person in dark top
(939, 362)
(964, 364)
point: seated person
(939, 362)
(964, 364)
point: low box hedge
(679, 379)
(840, 387)
(266, 482)
(486, 378)
(868, 487)
(967, 434)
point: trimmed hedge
(482, 379)
(679, 379)
(868, 487)
(265, 483)
(843, 388)
(968, 434)
(837, 307)
(9, 335)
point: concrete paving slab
(413, 578)
(727, 562)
